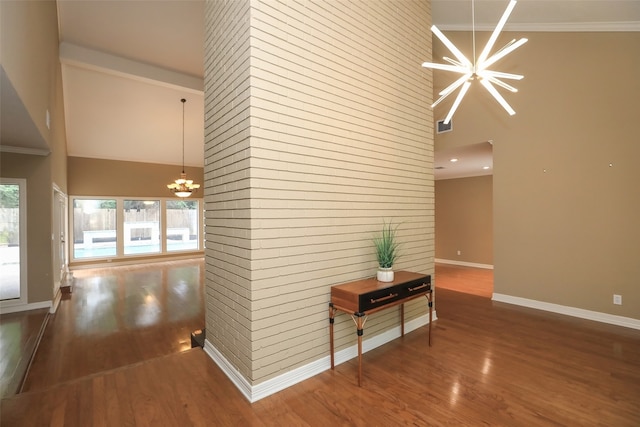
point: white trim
(24, 150)
(568, 27)
(89, 263)
(56, 301)
(59, 249)
(295, 376)
(274, 385)
(82, 57)
(25, 307)
(597, 316)
(555, 27)
(464, 263)
(229, 370)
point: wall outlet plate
(617, 299)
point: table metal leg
(360, 325)
(430, 314)
(332, 314)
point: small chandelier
(479, 68)
(183, 187)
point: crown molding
(554, 27)
(24, 150)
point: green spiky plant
(386, 246)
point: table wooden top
(370, 284)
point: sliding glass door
(12, 241)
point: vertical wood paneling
(318, 129)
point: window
(126, 227)
(141, 226)
(94, 228)
(182, 225)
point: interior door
(59, 235)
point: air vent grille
(441, 128)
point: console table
(367, 296)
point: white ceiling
(127, 64)
(539, 15)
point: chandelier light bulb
(478, 70)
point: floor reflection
(18, 336)
(120, 298)
(120, 315)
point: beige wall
(29, 36)
(464, 219)
(29, 47)
(317, 131)
(565, 221)
(102, 177)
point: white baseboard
(230, 371)
(274, 385)
(124, 263)
(56, 301)
(25, 307)
(597, 316)
(464, 263)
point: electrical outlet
(617, 299)
(459, 252)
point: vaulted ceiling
(127, 64)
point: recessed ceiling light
(486, 167)
(453, 160)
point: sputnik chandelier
(478, 70)
(183, 187)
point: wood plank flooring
(490, 364)
(118, 316)
(19, 334)
(470, 280)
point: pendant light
(478, 70)
(183, 187)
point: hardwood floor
(490, 364)
(19, 335)
(470, 280)
(118, 316)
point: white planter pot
(385, 275)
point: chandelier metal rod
(477, 69)
(183, 101)
(183, 187)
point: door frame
(59, 242)
(22, 191)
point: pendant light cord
(473, 32)
(183, 101)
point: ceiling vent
(441, 127)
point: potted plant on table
(386, 252)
